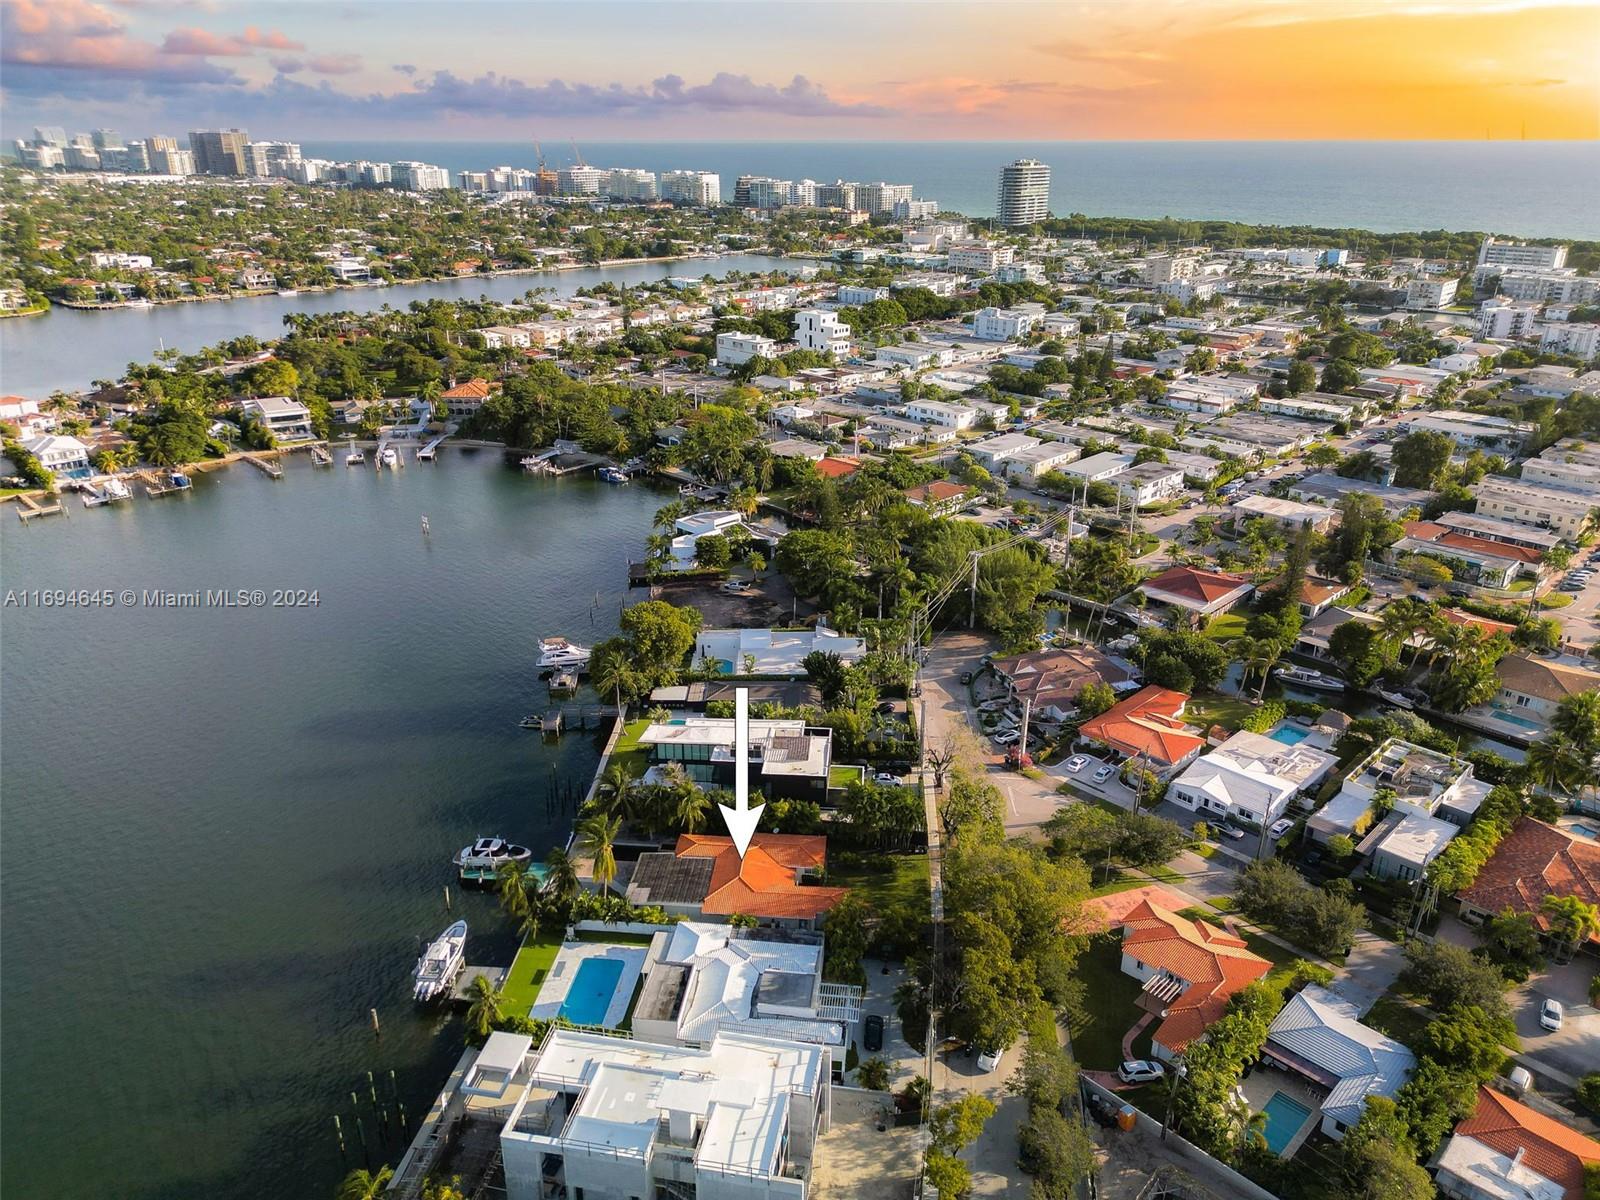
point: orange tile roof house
(704, 876)
(1531, 862)
(467, 398)
(1052, 679)
(1148, 725)
(1507, 1151)
(837, 468)
(1189, 970)
(939, 496)
(1198, 592)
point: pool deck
(1266, 1082)
(565, 969)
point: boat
(388, 458)
(533, 464)
(137, 304)
(1307, 678)
(110, 491)
(355, 458)
(1396, 699)
(287, 292)
(440, 963)
(557, 652)
(613, 475)
(480, 862)
(177, 479)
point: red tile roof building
(1202, 593)
(1189, 969)
(1531, 862)
(707, 873)
(1526, 1140)
(1052, 679)
(1148, 725)
(836, 468)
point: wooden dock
(266, 465)
(155, 486)
(320, 455)
(28, 508)
(461, 993)
(556, 721)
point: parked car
(872, 1033)
(1006, 736)
(1231, 831)
(988, 1060)
(1077, 763)
(1280, 827)
(1140, 1070)
(885, 777)
(1551, 1014)
(736, 587)
(1104, 773)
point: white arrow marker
(741, 818)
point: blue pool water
(1284, 1115)
(591, 991)
(1289, 735)
(1512, 718)
(1588, 831)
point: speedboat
(287, 292)
(1396, 699)
(557, 652)
(178, 480)
(613, 475)
(483, 859)
(110, 491)
(440, 963)
(533, 464)
(389, 458)
(1307, 678)
(355, 458)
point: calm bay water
(66, 348)
(226, 830)
(1533, 189)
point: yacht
(109, 491)
(481, 861)
(389, 458)
(613, 475)
(440, 963)
(287, 292)
(557, 652)
(137, 304)
(355, 458)
(1307, 678)
(533, 464)
(1396, 699)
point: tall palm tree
(597, 836)
(610, 673)
(485, 1010)
(513, 880)
(365, 1185)
(1399, 620)
(615, 785)
(1572, 922)
(1555, 764)
(692, 809)
(1578, 719)
(561, 880)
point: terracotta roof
(1213, 962)
(1428, 531)
(762, 883)
(1057, 676)
(473, 389)
(1548, 1147)
(1146, 724)
(1545, 679)
(1531, 862)
(939, 489)
(1456, 617)
(1315, 590)
(1195, 585)
(1112, 910)
(837, 468)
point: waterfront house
(465, 399)
(1250, 777)
(1197, 593)
(771, 651)
(788, 758)
(1531, 862)
(691, 528)
(287, 420)
(694, 697)
(1148, 727)
(705, 876)
(1532, 688)
(702, 979)
(1317, 595)
(941, 497)
(1312, 640)
(1508, 1151)
(602, 1116)
(60, 453)
(1469, 559)
(1318, 1035)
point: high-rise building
(582, 180)
(106, 138)
(49, 135)
(1519, 254)
(167, 157)
(914, 210)
(219, 151)
(741, 191)
(880, 198)
(803, 192)
(272, 158)
(83, 158)
(420, 177)
(699, 188)
(837, 194)
(1024, 192)
(373, 174)
(629, 184)
(768, 193)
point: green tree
(365, 1185)
(1302, 377)
(1420, 459)
(1095, 698)
(1378, 1160)
(873, 1075)
(597, 835)
(486, 1006)
(954, 1126)
(1572, 922)
(712, 551)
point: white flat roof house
(702, 979)
(937, 412)
(1318, 1035)
(736, 349)
(1425, 783)
(692, 528)
(1403, 848)
(772, 651)
(1098, 466)
(605, 1117)
(1251, 776)
(287, 420)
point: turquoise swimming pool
(1284, 1116)
(589, 995)
(1289, 735)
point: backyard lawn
(628, 752)
(887, 881)
(1226, 627)
(528, 970)
(1399, 1020)
(1228, 711)
(1109, 997)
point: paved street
(1574, 1049)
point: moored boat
(613, 475)
(481, 861)
(556, 653)
(388, 458)
(1396, 699)
(440, 963)
(109, 491)
(1307, 678)
(355, 458)
(177, 479)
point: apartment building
(979, 256)
(219, 151)
(1150, 483)
(854, 295)
(631, 184)
(582, 180)
(1430, 293)
(1209, 394)
(1567, 472)
(1568, 513)
(1005, 324)
(1543, 287)
(880, 198)
(1024, 195)
(1472, 431)
(701, 189)
(1020, 272)
(821, 330)
(1167, 268)
(412, 176)
(1506, 322)
(1519, 254)
(736, 349)
(1580, 341)
(937, 412)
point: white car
(1006, 737)
(886, 778)
(1077, 763)
(988, 1060)
(1280, 827)
(1103, 774)
(1551, 1014)
(1140, 1070)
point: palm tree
(609, 671)
(693, 806)
(615, 784)
(1399, 620)
(484, 1012)
(1572, 922)
(597, 835)
(561, 880)
(513, 878)
(365, 1185)
(1555, 763)
(1578, 719)
(744, 501)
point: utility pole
(972, 593)
(1022, 743)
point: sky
(680, 70)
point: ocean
(1527, 189)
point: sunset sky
(669, 70)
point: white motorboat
(1396, 699)
(1307, 678)
(482, 860)
(388, 458)
(110, 490)
(440, 963)
(557, 652)
(355, 458)
(287, 292)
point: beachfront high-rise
(1024, 192)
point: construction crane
(538, 153)
(545, 181)
(577, 154)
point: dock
(265, 465)
(320, 455)
(461, 992)
(429, 452)
(556, 721)
(28, 508)
(155, 486)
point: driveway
(1574, 1049)
(993, 1157)
(1372, 965)
(905, 1063)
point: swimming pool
(1588, 831)
(1289, 735)
(1284, 1116)
(589, 995)
(1511, 718)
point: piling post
(376, 1029)
(447, 897)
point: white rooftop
(1417, 839)
(775, 651)
(1491, 1175)
(724, 986)
(1322, 1030)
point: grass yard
(528, 971)
(842, 777)
(629, 752)
(1226, 627)
(1109, 998)
(888, 881)
(1227, 711)
(1399, 1020)
(1117, 884)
